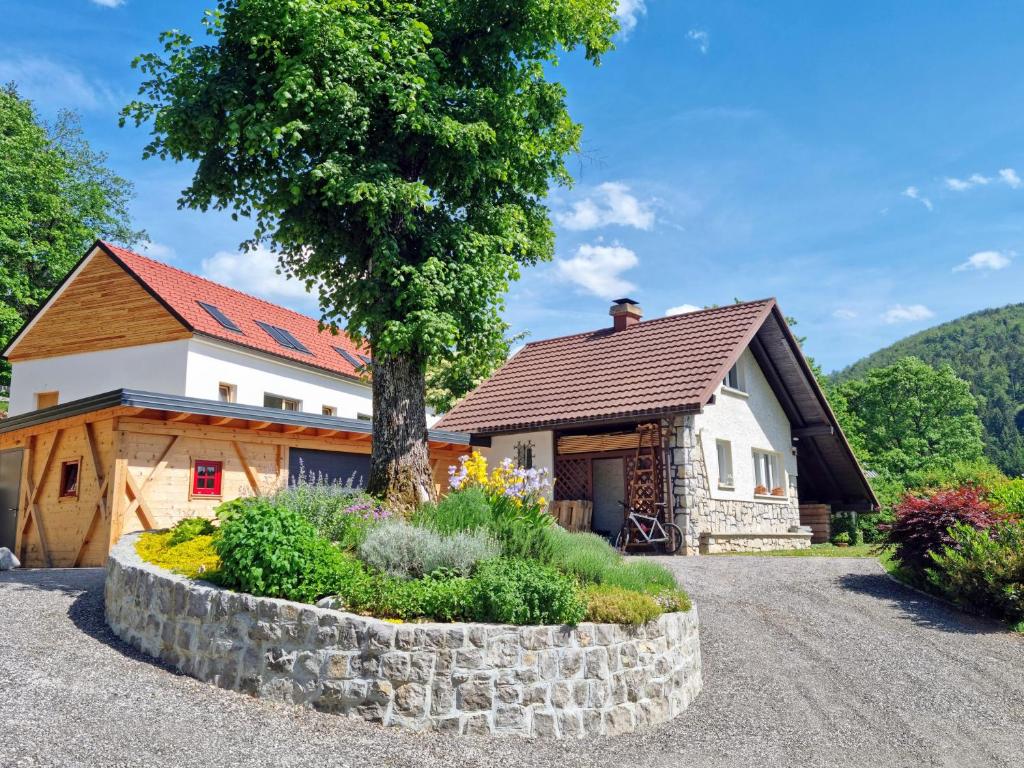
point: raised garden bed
(466, 678)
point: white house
(124, 321)
(744, 437)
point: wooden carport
(135, 452)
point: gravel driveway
(808, 662)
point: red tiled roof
(669, 364)
(180, 290)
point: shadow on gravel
(920, 609)
(85, 585)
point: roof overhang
(228, 412)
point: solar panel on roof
(282, 337)
(349, 357)
(366, 360)
(220, 317)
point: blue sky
(861, 162)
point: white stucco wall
(504, 447)
(152, 367)
(211, 363)
(752, 421)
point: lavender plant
(407, 551)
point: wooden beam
(250, 475)
(219, 421)
(146, 516)
(178, 416)
(814, 430)
(293, 430)
(158, 468)
(343, 442)
(258, 424)
(116, 486)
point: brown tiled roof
(658, 366)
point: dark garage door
(10, 484)
(334, 466)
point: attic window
(351, 359)
(220, 317)
(283, 337)
(734, 379)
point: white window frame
(284, 402)
(768, 471)
(726, 478)
(734, 380)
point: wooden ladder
(644, 489)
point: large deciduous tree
(396, 155)
(56, 198)
(909, 418)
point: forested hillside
(986, 349)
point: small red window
(69, 479)
(206, 478)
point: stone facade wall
(699, 515)
(546, 681)
(717, 543)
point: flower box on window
(760, 490)
(778, 491)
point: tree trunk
(400, 464)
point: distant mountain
(987, 349)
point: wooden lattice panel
(572, 479)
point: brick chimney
(625, 312)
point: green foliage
(462, 510)
(195, 558)
(188, 529)
(841, 538)
(409, 552)
(912, 418)
(442, 597)
(520, 528)
(525, 592)
(986, 349)
(1008, 496)
(339, 512)
(640, 576)
(396, 154)
(983, 570)
(583, 555)
(272, 551)
(56, 198)
(615, 605)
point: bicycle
(640, 530)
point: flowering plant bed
(489, 552)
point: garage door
(333, 466)
(10, 483)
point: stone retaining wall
(601, 679)
(717, 543)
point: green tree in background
(397, 156)
(56, 198)
(909, 418)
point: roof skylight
(283, 337)
(220, 317)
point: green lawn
(826, 550)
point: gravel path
(810, 662)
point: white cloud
(962, 185)
(844, 313)
(159, 251)
(628, 13)
(598, 269)
(701, 38)
(53, 85)
(986, 260)
(611, 204)
(682, 309)
(900, 313)
(1010, 177)
(109, 3)
(915, 194)
(255, 272)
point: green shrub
(409, 552)
(525, 592)
(521, 528)
(640, 576)
(464, 510)
(1008, 497)
(442, 597)
(983, 570)
(273, 552)
(584, 555)
(188, 529)
(673, 600)
(614, 605)
(338, 511)
(841, 538)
